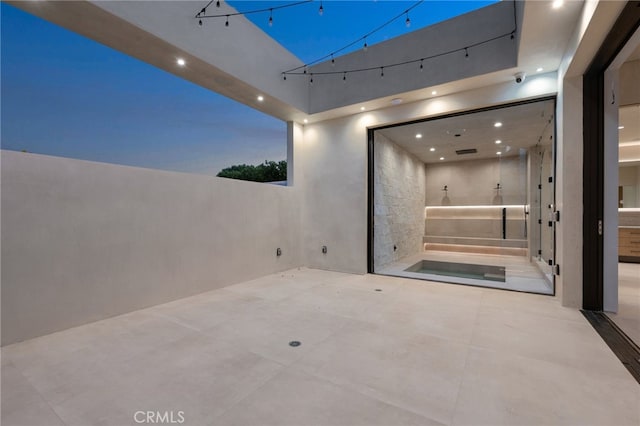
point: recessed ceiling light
(305, 121)
(620, 127)
(434, 92)
(418, 135)
(181, 62)
(540, 69)
(499, 152)
(441, 158)
(497, 124)
(396, 101)
(432, 149)
(498, 142)
(557, 4)
(260, 98)
(362, 108)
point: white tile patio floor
(416, 353)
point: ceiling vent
(466, 151)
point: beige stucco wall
(83, 241)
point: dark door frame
(593, 151)
(371, 159)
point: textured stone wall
(399, 197)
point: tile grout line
(51, 407)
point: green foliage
(269, 171)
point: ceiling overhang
(242, 62)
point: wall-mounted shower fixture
(324, 249)
(278, 252)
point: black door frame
(371, 166)
(593, 151)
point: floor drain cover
(294, 343)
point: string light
(333, 61)
(355, 42)
(407, 22)
(398, 64)
(344, 77)
(466, 53)
(203, 12)
(381, 72)
(320, 9)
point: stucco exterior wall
(83, 241)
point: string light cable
(403, 14)
(420, 61)
(202, 14)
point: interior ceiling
(523, 126)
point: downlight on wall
(181, 62)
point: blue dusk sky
(66, 95)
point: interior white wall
(630, 176)
(472, 182)
(629, 76)
(83, 241)
(333, 159)
(399, 200)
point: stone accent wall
(399, 197)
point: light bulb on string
(466, 53)
(226, 24)
(200, 22)
(344, 77)
(320, 9)
(366, 46)
(333, 61)
(271, 17)
(311, 79)
(218, 3)
(407, 21)
(421, 66)
(284, 76)
(381, 72)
